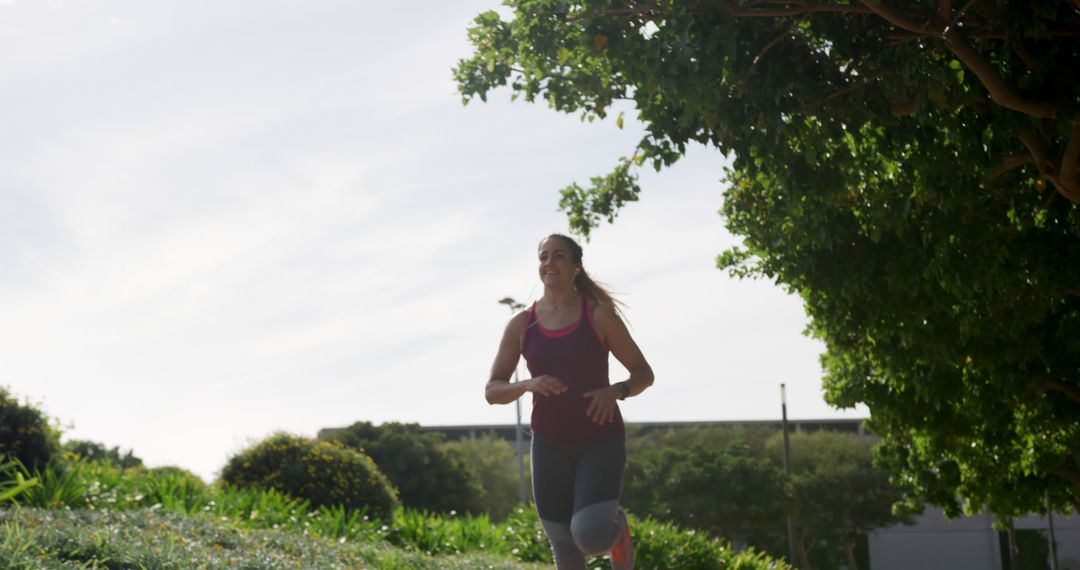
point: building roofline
(686, 423)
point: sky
(219, 220)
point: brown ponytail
(584, 284)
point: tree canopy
(908, 168)
(839, 497)
(730, 481)
(493, 464)
(727, 491)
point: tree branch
(944, 10)
(772, 43)
(1001, 92)
(803, 10)
(646, 10)
(897, 19)
(1073, 392)
(984, 34)
(840, 93)
(904, 106)
(1025, 55)
(1010, 163)
(1071, 476)
(1073, 292)
(1040, 150)
(1071, 157)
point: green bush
(728, 492)
(425, 475)
(59, 486)
(179, 473)
(175, 488)
(94, 451)
(321, 472)
(524, 536)
(491, 460)
(25, 433)
(657, 546)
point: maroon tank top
(575, 356)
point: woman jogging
(578, 446)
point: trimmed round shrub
(321, 472)
(25, 433)
(426, 476)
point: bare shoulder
(517, 325)
(519, 321)
(604, 315)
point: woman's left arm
(618, 340)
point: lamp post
(514, 308)
(792, 556)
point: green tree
(730, 492)
(835, 493)
(94, 451)
(838, 495)
(425, 475)
(25, 433)
(492, 462)
(909, 169)
(715, 479)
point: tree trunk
(1014, 552)
(849, 549)
(804, 560)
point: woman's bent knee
(594, 527)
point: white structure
(967, 543)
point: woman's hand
(603, 405)
(545, 385)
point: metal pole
(1053, 541)
(517, 448)
(515, 306)
(792, 553)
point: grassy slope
(36, 538)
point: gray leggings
(577, 497)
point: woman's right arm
(499, 389)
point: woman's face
(557, 267)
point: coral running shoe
(622, 554)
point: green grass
(56, 538)
(95, 515)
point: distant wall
(506, 431)
(966, 543)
